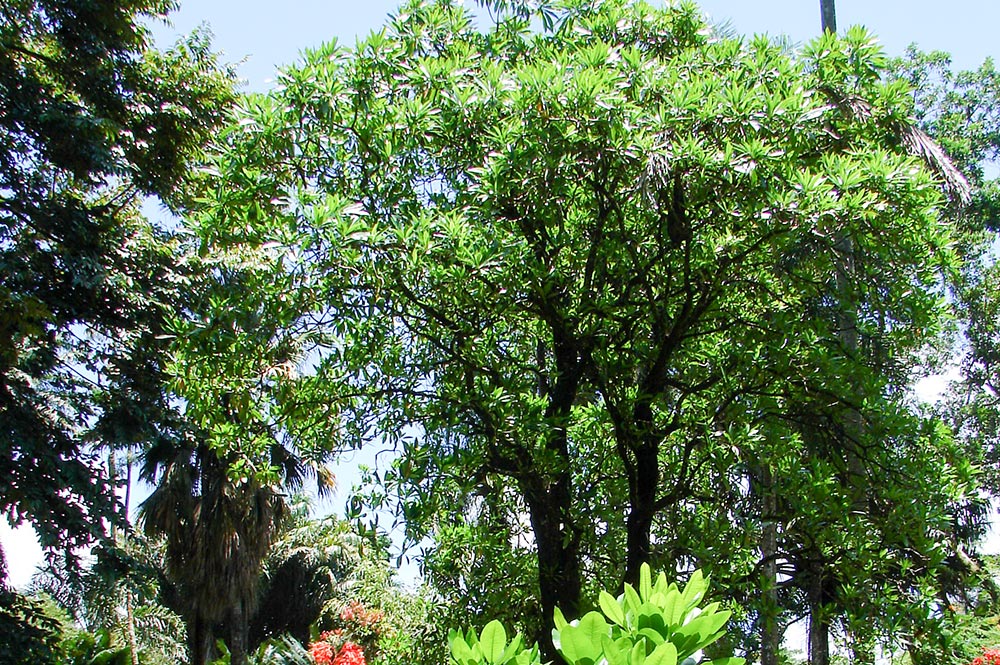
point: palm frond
(913, 139)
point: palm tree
(217, 534)
(314, 563)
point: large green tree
(91, 121)
(585, 277)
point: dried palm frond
(916, 142)
(919, 144)
(657, 175)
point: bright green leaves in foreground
(658, 624)
(490, 647)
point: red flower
(989, 657)
(350, 654)
(321, 652)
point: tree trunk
(828, 12)
(770, 633)
(201, 641)
(238, 634)
(559, 577)
(129, 627)
(819, 627)
(643, 485)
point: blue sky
(269, 34)
(264, 35)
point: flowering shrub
(354, 613)
(357, 636)
(989, 657)
(350, 654)
(321, 652)
(332, 649)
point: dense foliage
(92, 120)
(611, 288)
(608, 285)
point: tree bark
(238, 633)
(828, 12)
(201, 641)
(559, 576)
(770, 633)
(643, 485)
(819, 627)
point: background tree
(92, 121)
(959, 110)
(217, 531)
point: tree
(92, 120)
(828, 15)
(590, 261)
(959, 110)
(217, 531)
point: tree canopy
(597, 274)
(92, 121)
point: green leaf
(664, 654)
(516, 646)
(582, 644)
(706, 625)
(632, 601)
(645, 583)
(612, 608)
(638, 654)
(492, 641)
(673, 609)
(558, 620)
(460, 650)
(613, 652)
(654, 636)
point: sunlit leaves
(549, 257)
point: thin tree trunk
(770, 638)
(133, 643)
(819, 627)
(828, 12)
(129, 628)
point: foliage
(28, 635)
(590, 280)
(656, 624)
(94, 649)
(119, 593)
(284, 650)
(490, 647)
(960, 109)
(217, 531)
(93, 120)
